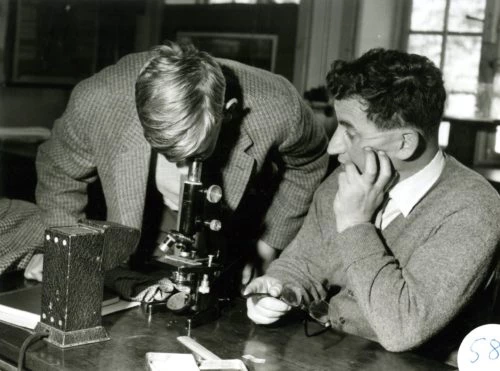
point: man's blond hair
(179, 98)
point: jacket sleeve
(21, 232)
(65, 164)
(407, 305)
(303, 162)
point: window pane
(232, 1)
(460, 105)
(495, 102)
(428, 45)
(444, 134)
(497, 140)
(461, 65)
(460, 9)
(427, 15)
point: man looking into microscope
(401, 239)
(144, 117)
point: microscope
(193, 268)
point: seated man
(402, 236)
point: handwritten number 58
(494, 348)
(493, 354)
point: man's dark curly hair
(399, 89)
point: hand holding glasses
(268, 300)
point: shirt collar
(410, 191)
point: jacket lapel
(237, 172)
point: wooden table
(232, 336)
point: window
(449, 32)
(232, 1)
(251, 1)
(497, 142)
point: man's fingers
(275, 290)
(34, 269)
(371, 169)
(385, 172)
(342, 180)
(160, 295)
(264, 313)
(166, 285)
(260, 319)
(263, 285)
(38, 276)
(351, 172)
(254, 287)
(271, 305)
(266, 310)
(148, 294)
(33, 276)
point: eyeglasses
(317, 310)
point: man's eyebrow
(346, 124)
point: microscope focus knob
(167, 243)
(214, 225)
(214, 194)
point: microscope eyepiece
(194, 172)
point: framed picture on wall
(258, 50)
(55, 41)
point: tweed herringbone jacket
(99, 135)
(20, 232)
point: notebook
(22, 307)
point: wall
(3, 31)
(277, 19)
(326, 31)
(31, 106)
(23, 104)
(342, 29)
(376, 25)
(324, 40)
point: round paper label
(480, 349)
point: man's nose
(337, 145)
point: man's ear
(409, 144)
(230, 109)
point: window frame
(445, 34)
(484, 154)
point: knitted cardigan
(404, 285)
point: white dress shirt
(169, 177)
(405, 195)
